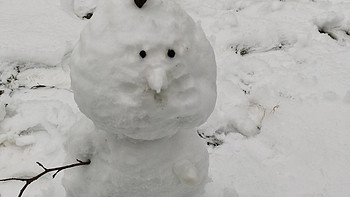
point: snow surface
(281, 122)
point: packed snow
(145, 93)
(280, 126)
(143, 97)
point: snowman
(144, 73)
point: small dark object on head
(140, 3)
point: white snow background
(281, 126)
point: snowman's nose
(157, 79)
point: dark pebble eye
(171, 53)
(143, 54)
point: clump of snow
(80, 8)
(329, 20)
(83, 7)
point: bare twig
(28, 181)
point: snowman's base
(124, 168)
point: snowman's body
(146, 78)
(122, 168)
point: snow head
(144, 69)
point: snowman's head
(144, 69)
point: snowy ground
(281, 126)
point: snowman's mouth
(160, 98)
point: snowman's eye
(143, 54)
(171, 53)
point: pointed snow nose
(157, 79)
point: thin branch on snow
(28, 181)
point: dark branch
(41, 165)
(28, 181)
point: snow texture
(2, 111)
(144, 98)
(280, 126)
(146, 77)
(79, 8)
